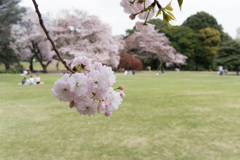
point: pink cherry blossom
(101, 107)
(145, 28)
(129, 7)
(91, 91)
(84, 62)
(114, 99)
(78, 84)
(109, 75)
(61, 89)
(96, 81)
(146, 15)
(97, 66)
(87, 107)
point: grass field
(37, 66)
(187, 115)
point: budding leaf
(165, 18)
(172, 17)
(158, 12)
(180, 2)
(168, 7)
(168, 16)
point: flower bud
(122, 94)
(132, 16)
(108, 114)
(121, 87)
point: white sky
(227, 12)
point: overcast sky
(227, 12)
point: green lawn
(186, 115)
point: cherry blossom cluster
(141, 8)
(89, 88)
(145, 10)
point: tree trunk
(44, 68)
(237, 70)
(161, 67)
(31, 64)
(7, 66)
(57, 65)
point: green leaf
(168, 16)
(168, 7)
(172, 17)
(180, 2)
(165, 17)
(158, 12)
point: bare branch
(48, 36)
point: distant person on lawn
(37, 79)
(220, 69)
(24, 81)
(31, 80)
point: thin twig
(48, 36)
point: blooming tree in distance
(80, 34)
(30, 41)
(88, 87)
(155, 43)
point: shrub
(136, 64)
(127, 61)
(9, 71)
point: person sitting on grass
(24, 81)
(31, 81)
(37, 79)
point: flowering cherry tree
(88, 87)
(30, 41)
(80, 34)
(155, 43)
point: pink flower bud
(132, 16)
(121, 87)
(122, 94)
(108, 114)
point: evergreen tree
(10, 13)
(229, 55)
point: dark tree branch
(48, 36)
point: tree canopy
(229, 55)
(202, 20)
(10, 13)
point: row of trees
(199, 41)
(202, 40)
(75, 33)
